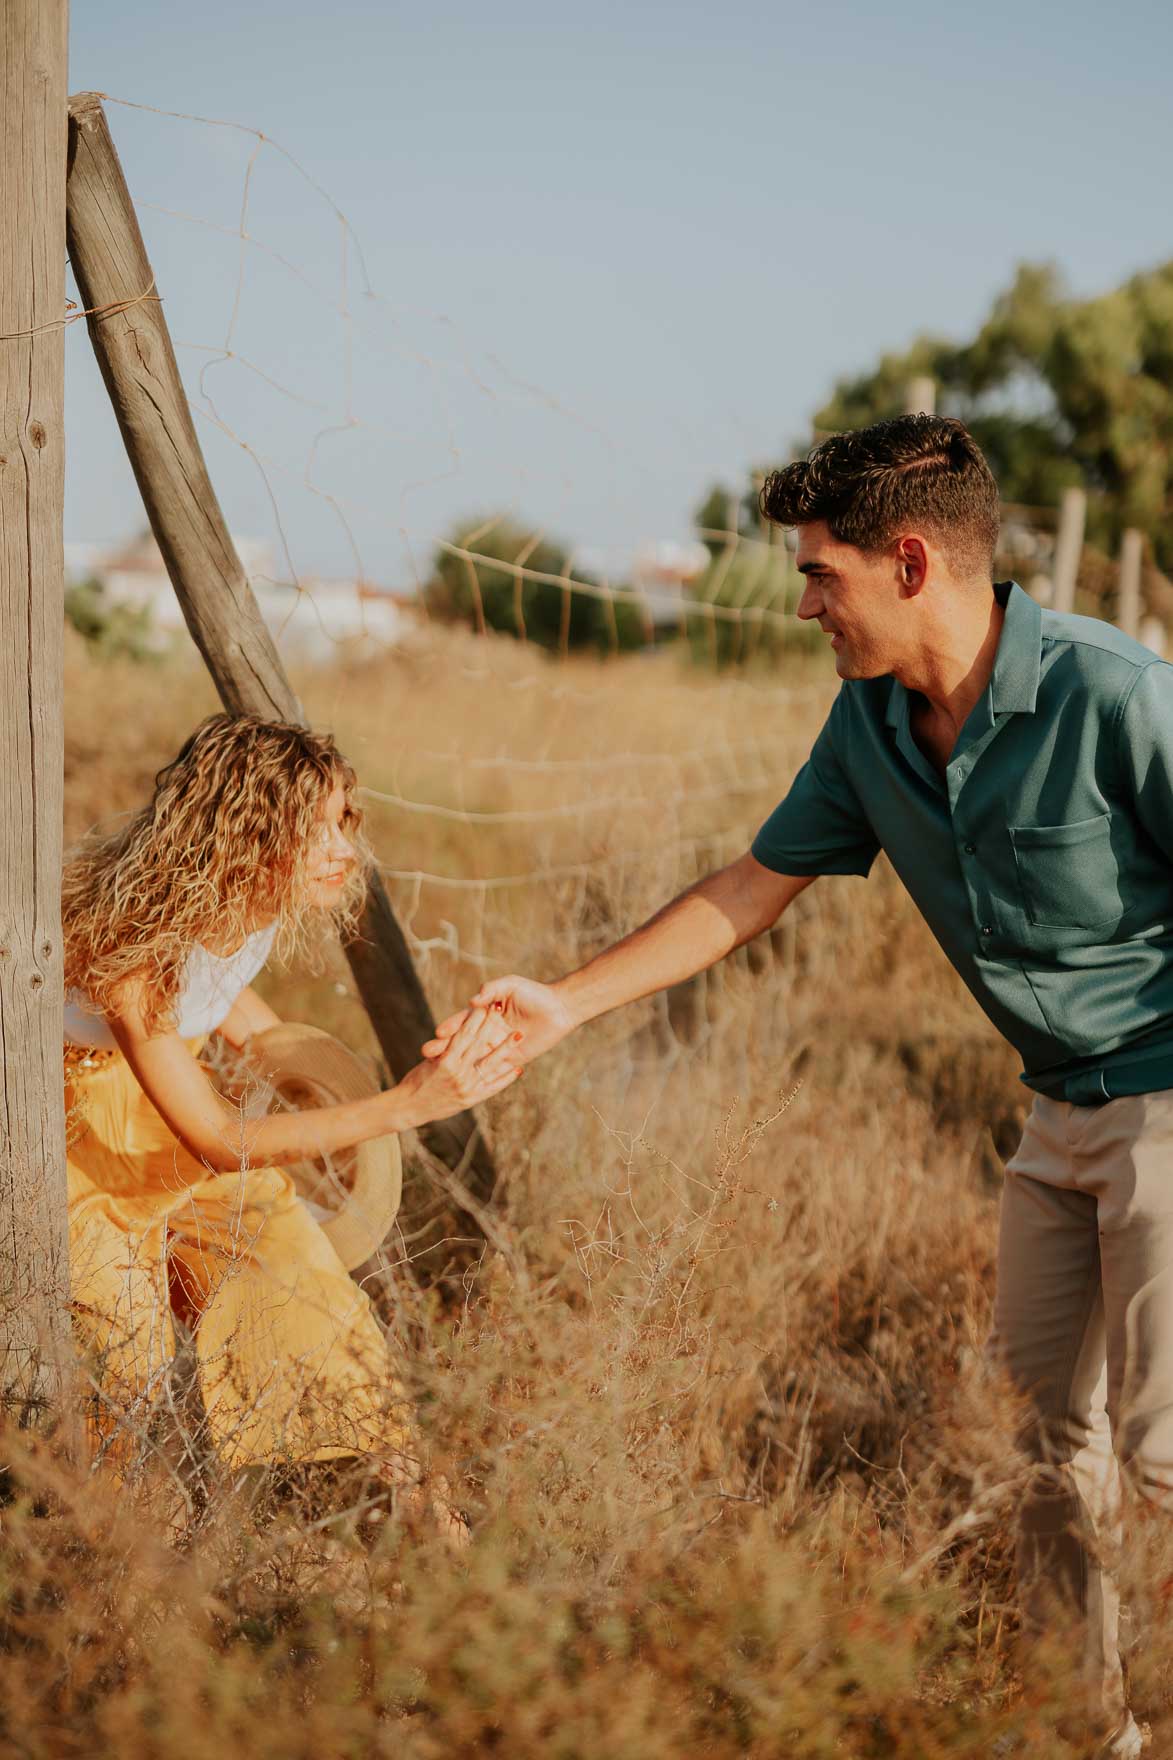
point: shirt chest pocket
(1068, 874)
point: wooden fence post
(920, 398)
(1153, 634)
(1068, 549)
(137, 360)
(1128, 596)
(34, 1329)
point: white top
(211, 984)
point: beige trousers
(1084, 1324)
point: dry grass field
(713, 1396)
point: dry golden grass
(715, 1400)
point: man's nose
(810, 604)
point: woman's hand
(474, 1064)
(535, 1014)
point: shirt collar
(1014, 682)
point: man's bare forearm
(694, 931)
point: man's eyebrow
(814, 568)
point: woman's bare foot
(453, 1527)
(431, 1498)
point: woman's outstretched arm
(219, 1136)
(249, 1014)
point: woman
(178, 1203)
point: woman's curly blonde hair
(223, 845)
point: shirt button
(969, 848)
(987, 928)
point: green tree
(534, 604)
(1057, 391)
(756, 582)
(110, 628)
(721, 511)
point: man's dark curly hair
(871, 484)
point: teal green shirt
(1042, 860)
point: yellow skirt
(292, 1362)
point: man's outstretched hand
(534, 1015)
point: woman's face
(333, 855)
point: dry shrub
(740, 1479)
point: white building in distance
(308, 621)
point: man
(1016, 766)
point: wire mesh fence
(544, 774)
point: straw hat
(353, 1193)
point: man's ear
(912, 563)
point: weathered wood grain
(33, 1249)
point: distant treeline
(1058, 391)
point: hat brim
(353, 1194)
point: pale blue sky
(620, 249)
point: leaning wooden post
(34, 1330)
(137, 360)
(1068, 549)
(1128, 596)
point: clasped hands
(514, 1016)
(480, 1051)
